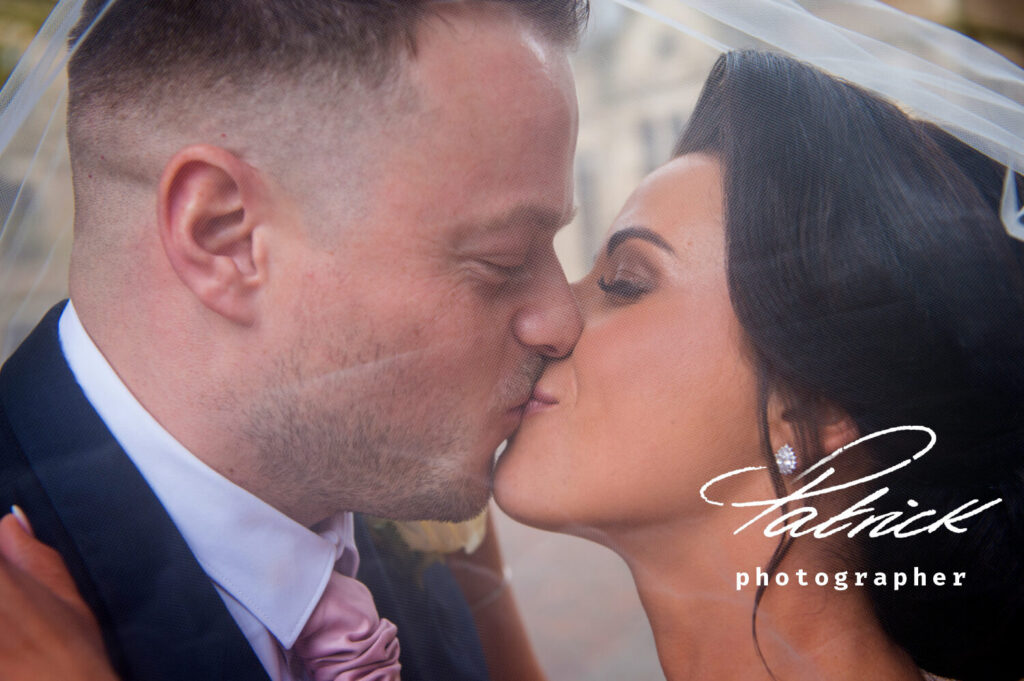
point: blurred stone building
(638, 81)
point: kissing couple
(313, 278)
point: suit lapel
(166, 617)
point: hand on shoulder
(49, 631)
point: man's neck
(190, 399)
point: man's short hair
(137, 47)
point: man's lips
(539, 401)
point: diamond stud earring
(785, 459)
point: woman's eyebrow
(637, 233)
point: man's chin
(465, 502)
(444, 513)
(454, 500)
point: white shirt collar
(275, 567)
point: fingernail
(22, 519)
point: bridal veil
(932, 72)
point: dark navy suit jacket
(161, 617)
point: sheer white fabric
(934, 72)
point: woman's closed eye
(626, 284)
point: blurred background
(637, 81)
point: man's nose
(584, 291)
(550, 323)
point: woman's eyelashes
(626, 284)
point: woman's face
(658, 397)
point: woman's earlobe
(208, 219)
(782, 423)
(826, 426)
(786, 459)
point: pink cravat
(345, 639)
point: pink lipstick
(539, 401)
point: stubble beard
(380, 441)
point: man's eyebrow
(542, 217)
(637, 233)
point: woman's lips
(539, 401)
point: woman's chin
(542, 479)
(512, 496)
(521, 491)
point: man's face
(415, 329)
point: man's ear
(830, 427)
(210, 205)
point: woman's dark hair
(870, 272)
